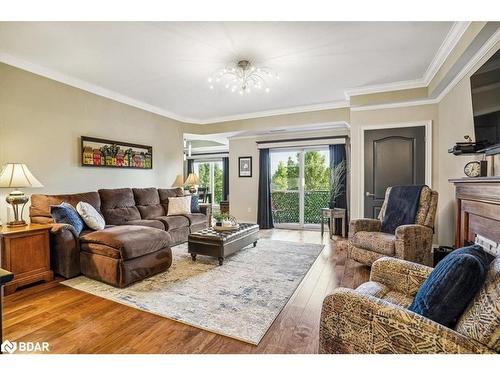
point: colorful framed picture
(97, 152)
(245, 166)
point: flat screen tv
(485, 88)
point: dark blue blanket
(401, 207)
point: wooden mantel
(478, 209)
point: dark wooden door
(392, 157)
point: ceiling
(163, 66)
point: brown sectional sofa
(134, 244)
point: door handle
(368, 194)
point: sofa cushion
(40, 203)
(118, 206)
(169, 193)
(452, 285)
(129, 240)
(147, 201)
(195, 218)
(147, 223)
(179, 205)
(89, 214)
(65, 213)
(379, 242)
(481, 319)
(174, 222)
(195, 204)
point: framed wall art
(245, 166)
(97, 152)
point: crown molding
(485, 48)
(277, 112)
(89, 87)
(466, 69)
(450, 41)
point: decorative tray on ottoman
(226, 228)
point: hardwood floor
(76, 322)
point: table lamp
(192, 181)
(16, 175)
(179, 181)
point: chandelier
(242, 77)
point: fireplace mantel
(478, 209)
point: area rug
(240, 299)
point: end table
(331, 214)
(25, 252)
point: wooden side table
(25, 252)
(331, 214)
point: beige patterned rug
(240, 299)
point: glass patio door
(300, 185)
(210, 175)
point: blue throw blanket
(401, 207)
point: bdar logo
(9, 347)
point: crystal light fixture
(242, 77)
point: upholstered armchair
(410, 242)
(374, 318)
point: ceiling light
(242, 77)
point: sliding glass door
(300, 185)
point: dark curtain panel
(190, 166)
(264, 210)
(337, 154)
(225, 178)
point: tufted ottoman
(122, 255)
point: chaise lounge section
(135, 243)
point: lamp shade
(179, 181)
(192, 180)
(16, 175)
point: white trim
(385, 87)
(486, 48)
(490, 43)
(361, 163)
(412, 103)
(449, 43)
(89, 87)
(277, 112)
(313, 142)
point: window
(210, 175)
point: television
(485, 89)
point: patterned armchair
(410, 242)
(373, 318)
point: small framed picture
(245, 166)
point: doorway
(300, 186)
(393, 156)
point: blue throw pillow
(452, 285)
(65, 213)
(195, 204)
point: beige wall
(41, 122)
(243, 191)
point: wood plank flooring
(76, 322)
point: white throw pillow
(179, 205)
(89, 214)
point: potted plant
(219, 217)
(337, 182)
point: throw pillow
(179, 205)
(65, 213)
(451, 286)
(89, 214)
(195, 204)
